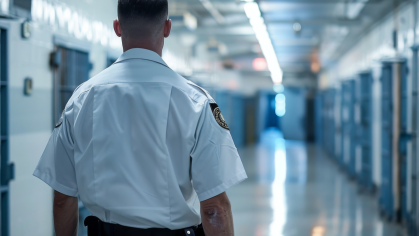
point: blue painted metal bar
(365, 176)
(346, 124)
(353, 129)
(413, 214)
(6, 170)
(386, 190)
(405, 138)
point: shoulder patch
(218, 116)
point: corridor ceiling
(329, 27)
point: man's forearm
(217, 218)
(66, 213)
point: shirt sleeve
(216, 164)
(56, 166)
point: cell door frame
(7, 168)
(67, 43)
(413, 224)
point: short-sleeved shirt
(139, 144)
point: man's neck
(144, 45)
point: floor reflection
(294, 190)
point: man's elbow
(218, 206)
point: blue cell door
(404, 139)
(353, 128)
(329, 122)
(6, 168)
(345, 124)
(318, 117)
(413, 223)
(348, 138)
(237, 124)
(393, 205)
(386, 193)
(72, 69)
(365, 176)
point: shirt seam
(183, 91)
(144, 59)
(167, 172)
(93, 149)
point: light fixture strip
(258, 23)
(213, 11)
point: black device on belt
(96, 227)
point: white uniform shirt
(138, 144)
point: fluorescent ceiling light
(214, 12)
(256, 20)
(190, 21)
(252, 10)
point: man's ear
(117, 28)
(167, 28)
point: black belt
(96, 227)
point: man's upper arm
(216, 164)
(56, 166)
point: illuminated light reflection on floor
(295, 189)
(278, 201)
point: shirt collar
(143, 54)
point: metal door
(386, 194)
(412, 214)
(366, 123)
(353, 128)
(405, 138)
(71, 69)
(237, 124)
(329, 122)
(345, 125)
(6, 168)
(393, 191)
(319, 117)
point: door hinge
(55, 59)
(10, 172)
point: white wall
(31, 117)
(30, 128)
(375, 45)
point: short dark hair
(142, 17)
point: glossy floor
(295, 190)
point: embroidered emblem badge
(218, 116)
